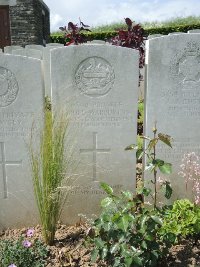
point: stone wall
(29, 22)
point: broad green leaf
(143, 190)
(127, 194)
(131, 147)
(123, 223)
(108, 189)
(165, 139)
(152, 143)
(166, 168)
(116, 217)
(139, 153)
(137, 261)
(114, 248)
(128, 261)
(104, 252)
(149, 167)
(146, 191)
(106, 202)
(99, 243)
(116, 262)
(144, 244)
(157, 219)
(134, 249)
(94, 255)
(168, 190)
(144, 219)
(155, 254)
(158, 162)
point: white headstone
(194, 31)
(101, 84)
(54, 44)
(33, 46)
(154, 36)
(19, 52)
(173, 100)
(9, 49)
(21, 104)
(98, 42)
(172, 33)
(46, 68)
(34, 53)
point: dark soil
(69, 248)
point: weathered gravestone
(194, 31)
(32, 46)
(21, 104)
(54, 44)
(34, 53)
(173, 100)
(9, 49)
(46, 68)
(101, 85)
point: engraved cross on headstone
(4, 164)
(95, 150)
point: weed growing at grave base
(49, 168)
(182, 220)
(130, 233)
(24, 252)
(127, 232)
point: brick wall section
(29, 24)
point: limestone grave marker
(194, 31)
(100, 84)
(54, 45)
(173, 98)
(21, 105)
(9, 49)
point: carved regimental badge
(8, 87)
(94, 77)
(185, 66)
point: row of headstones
(98, 85)
(172, 33)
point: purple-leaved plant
(133, 38)
(73, 33)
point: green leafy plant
(23, 252)
(182, 220)
(50, 167)
(153, 163)
(127, 233)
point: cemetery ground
(69, 248)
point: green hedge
(58, 38)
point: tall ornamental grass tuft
(50, 166)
